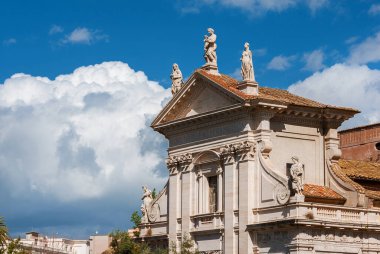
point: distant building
(37, 243)
(99, 243)
(361, 143)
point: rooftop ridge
(268, 93)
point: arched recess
(208, 182)
(208, 156)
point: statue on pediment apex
(210, 47)
(177, 79)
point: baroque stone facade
(258, 174)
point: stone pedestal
(297, 198)
(211, 68)
(249, 87)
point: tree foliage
(186, 246)
(154, 193)
(3, 233)
(135, 219)
(8, 245)
(122, 244)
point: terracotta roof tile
(265, 93)
(321, 192)
(340, 173)
(360, 170)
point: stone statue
(212, 195)
(149, 210)
(176, 78)
(246, 64)
(210, 47)
(296, 173)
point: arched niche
(209, 181)
(206, 157)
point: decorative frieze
(237, 152)
(179, 163)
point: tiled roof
(340, 173)
(350, 170)
(321, 192)
(360, 170)
(265, 93)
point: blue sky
(96, 73)
(151, 35)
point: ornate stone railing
(207, 221)
(309, 213)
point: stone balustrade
(319, 214)
(208, 221)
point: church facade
(257, 170)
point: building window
(377, 145)
(212, 194)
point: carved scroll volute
(245, 150)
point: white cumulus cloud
(314, 60)
(367, 51)
(345, 85)
(83, 35)
(80, 136)
(281, 63)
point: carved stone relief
(237, 152)
(297, 176)
(179, 163)
(149, 209)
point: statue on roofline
(210, 47)
(246, 64)
(177, 79)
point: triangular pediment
(197, 96)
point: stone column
(174, 179)
(229, 196)
(245, 158)
(186, 192)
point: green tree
(186, 247)
(154, 193)
(15, 247)
(121, 243)
(3, 233)
(135, 219)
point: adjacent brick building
(361, 143)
